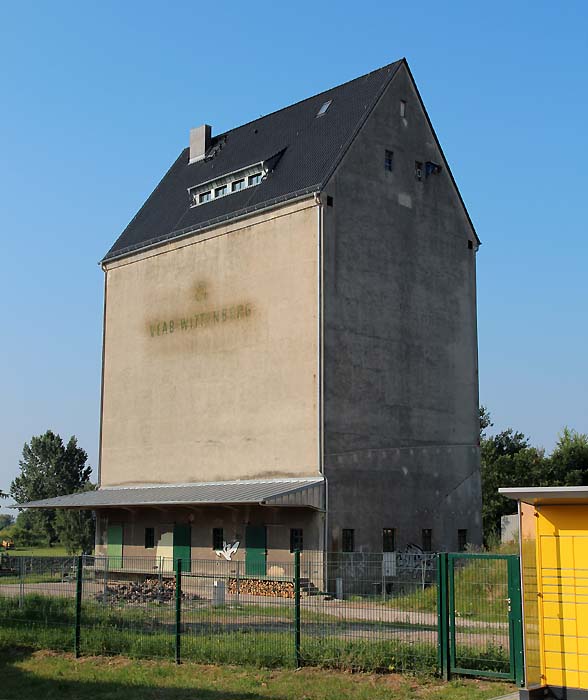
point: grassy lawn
(27, 674)
(36, 552)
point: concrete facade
(333, 336)
(400, 338)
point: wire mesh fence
(354, 610)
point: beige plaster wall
(210, 362)
(233, 520)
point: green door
(114, 546)
(182, 546)
(255, 550)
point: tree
(506, 459)
(485, 422)
(569, 460)
(6, 520)
(75, 528)
(48, 468)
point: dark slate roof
(313, 147)
(302, 492)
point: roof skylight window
(254, 179)
(221, 191)
(238, 185)
(324, 108)
(204, 197)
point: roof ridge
(307, 99)
(362, 120)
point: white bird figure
(228, 550)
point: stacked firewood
(255, 586)
(151, 590)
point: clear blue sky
(97, 100)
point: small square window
(238, 185)
(403, 108)
(388, 539)
(221, 191)
(471, 245)
(348, 540)
(204, 197)
(296, 539)
(462, 540)
(388, 161)
(218, 538)
(254, 180)
(427, 540)
(149, 537)
(329, 200)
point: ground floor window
(296, 539)
(388, 539)
(149, 537)
(462, 539)
(348, 540)
(427, 539)
(218, 538)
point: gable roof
(311, 147)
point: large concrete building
(290, 349)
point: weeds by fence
(364, 611)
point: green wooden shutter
(114, 537)
(255, 546)
(183, 546)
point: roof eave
(213, 223)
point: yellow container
(554, 570)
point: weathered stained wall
(210, 361)
(233, 520)
(400, 339)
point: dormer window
(235, 181)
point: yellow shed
(554, 569)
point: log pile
(254, 586)
(151, 590)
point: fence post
(443, 655)
(20, 582)
(297, 608)
(79, 572)
(515, 615)
(238, 585)
(178, 609)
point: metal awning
(308, 492)
(544, 495)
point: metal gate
(480, 616)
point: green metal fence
(480, 616)
(393, 611)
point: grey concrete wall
(400, 339)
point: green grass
(29, 674)
(57, 551)
(480, 592)
(47, 622)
